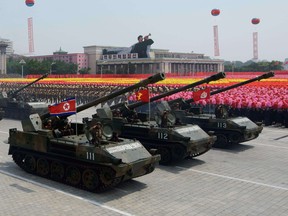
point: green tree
(39, 67)
(13, 67)
(264, 66)
(84, 70)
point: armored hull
(21, 110)
(73, 160)
(1, 113)
(173, 144)
(13, 106)
(228, 130)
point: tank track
(90, 177)
(192, 155)
(227, 138)
(169, 153)
(174, 152)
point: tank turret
(13, 106)
(87, 155)
(229, 130)
(173, 142)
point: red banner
(201, 94)
(143, 95)
(66, 107)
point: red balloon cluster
(215, 12)
(255, 21)
(29, 3)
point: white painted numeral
(90, 155)
(221, 125)
(163, 136)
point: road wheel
(57, 171)
(107, 176)
(73, 175)
(29, 163)
(19, 159)
(90, 179)
(165, 156)
(221, 142)
(235, 138)
(179, 152)
(43, 167)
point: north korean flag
(67, 107)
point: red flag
(66, 107)
(201, 94)
(143, 95)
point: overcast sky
(179, 25)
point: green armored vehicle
(14, 107)
(229, 130)
(87, 155)
(172, 141)
(1, 113)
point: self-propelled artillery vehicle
(229, 130)
(172, 141)
(85, 155)
(13, 106)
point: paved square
(246, 179)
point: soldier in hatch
(96, 132)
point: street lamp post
(52, 67)
(22, 62)
(232, 69)
(102, 68)
(193, 69)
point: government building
(118, 60)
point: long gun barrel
(14, 93)
(140, 103)
(150, 80)
(263, 76)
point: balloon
(29, 3)
(215, 12)
(255, 21)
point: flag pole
(149, 105)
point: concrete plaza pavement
(247, 179)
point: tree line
(264, 66)
(32, 66)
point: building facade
(9, 48)
(3, 62)
(6, 49)
(81, 59)
(285, 64)
(118, 60)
